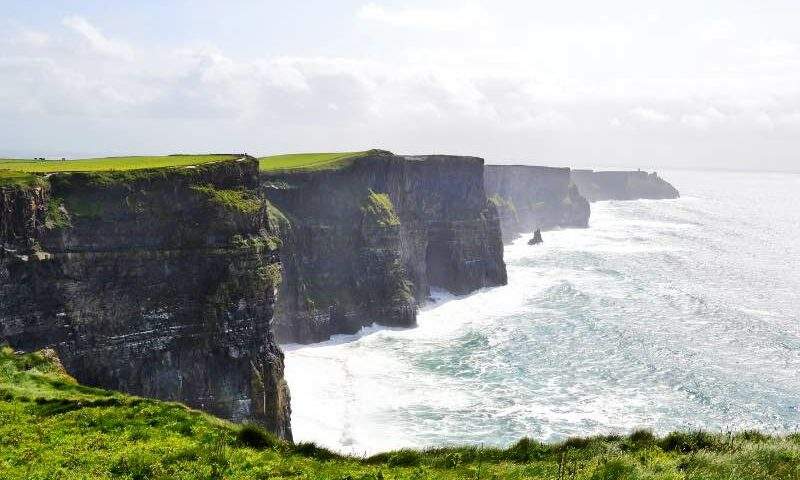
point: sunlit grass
(308, 161)
(52, 427)
(109, 163)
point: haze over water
(669, 314)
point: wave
(663, 314)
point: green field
(109, 163)
(19, 171)
(53, 428)
(22, 171)
(308, 161)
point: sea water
(667, 314)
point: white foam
(594, 333)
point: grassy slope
(23, 171)
(307, 161)
(51, 427)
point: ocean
(663, 314)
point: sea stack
(537, 238)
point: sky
(678, 84)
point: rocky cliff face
(365, 243)
(531, 197)
(622, 185)
(158, 283)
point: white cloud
(465, 16)
(96, 40)
(775, 48)
(704, 119)
(719, 29)
(649, 115)
(33, 38)
(565, 91)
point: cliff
(622, 185)
(159, 283)
(532, 197)
(365, 243)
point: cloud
(649, 115)
(703, 120)
(33, 38)
(96, 40)
(719, 29)
(540, 95)
(465, 16)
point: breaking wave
(669, 314)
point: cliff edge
(366, 241)
(159, 283)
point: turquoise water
(667, 314)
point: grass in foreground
(51, 427)
(308, 161)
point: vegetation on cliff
(52, 427)
(17, 179)
(503, 203)
(238, 200)
(56, 214)
(378, 208)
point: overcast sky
(579, 83)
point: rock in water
(537, 238)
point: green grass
(18, 179)
(52, 427)
(109, 163)
(308, 161)
(26, 172)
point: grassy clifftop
(308, 161)
(52, 427)
(25, 171)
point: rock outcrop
(536, 239)
(365, 243)
(531, 197)
(622, 185)
(159, 283)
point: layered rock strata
(159, 283)
(366, 243)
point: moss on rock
(238, 200)
(378, 207)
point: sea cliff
(622, 185)
(366, 242)
(159, 283)
(533, 197)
